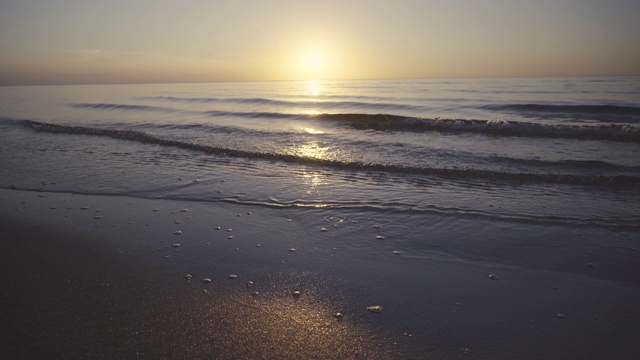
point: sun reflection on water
(314, 87)
(313, 150)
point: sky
(163, 41)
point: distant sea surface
(536, 150)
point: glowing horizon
(145, 41)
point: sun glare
(313, 61)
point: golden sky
(146, 41)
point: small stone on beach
(338, 315)
(561, 316)
(396, 252)
(380, 237)
(377, 226)
(97, 217)
(207, 280)
(184, 210)
(292, 250)
(493, 277)
(177, 232)
(176, 245)
(296, 293)
(231, 277)
(217, 228)
(375, 309)
(188, 276)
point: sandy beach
(104, 277)
(75, 284)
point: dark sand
(67, 294)
(104, 282)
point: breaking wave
(142, 137)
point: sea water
(535, 178)
(562, 150)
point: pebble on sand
(561, 316)
(396, 252)
(207, 280)
(296, 293)
(292, 249)
(217, 228)
(380, 237)
(177, 232)
(184, 210)
(231, 277)
(97, 217)
(375, 309)
(188, 276)
(323, 229)
(377, 226)
(176, 245)
(338, 315)
(493, 277)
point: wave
(103, 106)
(381, 206)
(618, 180)
(616, 132)
(293, 104)
(604, 112)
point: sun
(313, 61)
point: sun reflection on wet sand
(287, 325)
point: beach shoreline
(72, 292)
(101, 276)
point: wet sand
(68, 293)
(102, 277)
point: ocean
(426, 184)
